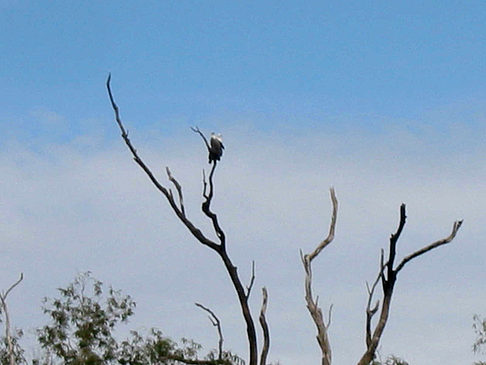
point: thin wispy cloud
(72, 210)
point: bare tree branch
(21, 277)
(179, 190)
(206, 208)
(196, 232)
(8, 336)
(196, 130)
(455, 229)
(393, 244)
(329, 316)
(231, 269)
(388, 284)
(370, 312)
(205, 185)
(216, 322)
(266, 332)
(252, 279)
(332, 228)
(312, 305)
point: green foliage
(139, 350)
(17, 349)
(394, 360)
(81, 327)
(82, 321)
(391, 360)
(155, 349)
(227, 358)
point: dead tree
(8, 335)
(312, 303)
(387, 274)
(219, 246)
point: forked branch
(196, 130)
(216, 323)
(312, 304)
(178, 210)
(206, 206)
(388, 281)
(455, 229)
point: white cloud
(67, 208)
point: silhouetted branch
(196, 130)
(388, 284)
(205, 185)
(252, 279)
(179, 190)
(206, 207)
(196, 232)
(455, 229)
(215, 322)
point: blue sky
(194, 58)
(382, 100)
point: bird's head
(218, 136)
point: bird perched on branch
(215, 147)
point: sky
(383, 100)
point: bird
(215, 147)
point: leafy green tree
(82, 321)
(139, 350)
(391, 360)
(155, 349)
